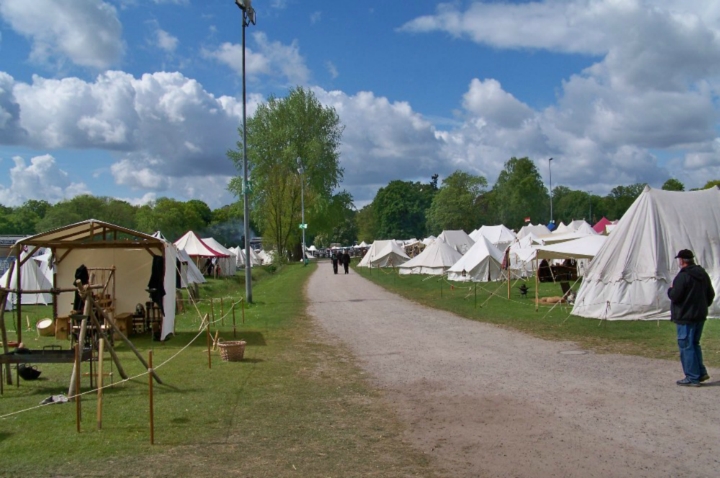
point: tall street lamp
(303, 226)
(248, 16)
(551, 191)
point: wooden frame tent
(102, 246)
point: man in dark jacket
(690, 295)
(346, 261)
(334, 257)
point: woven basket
(232, 351)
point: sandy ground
(483, 401)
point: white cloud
(166, 41)
(283, 62)
(487, 100)
(41, 179)
(87, 33)
(332, 69)
(315, 17)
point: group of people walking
(343, 258)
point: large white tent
(458, 240)
(434, 260)
(482, 263)
(197, 249)
(630, 275)
(392, 255)
(499, 236)
(189, 272)
(228, 261)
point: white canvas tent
(373, 252)
(482, 263)
(434, 260)
(429, 240)
(391, 255)
(538, 230)
(499, 236)
(458, 240)
(562, 229)
(583, 248)
(189, 272)
(630, 275)
(227, 263)
(197, 249)
(31, 278)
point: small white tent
(538, 230)
(482, 263)
(373, 252)
(458, 240)
(434, 260)
(228, 263)
(31, 278)
(630, 275)
(391, 255)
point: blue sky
(139, 99)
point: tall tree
(366, 224)
(173, 218)
(621, 198)
(283, 134)
(399, 209)
(455, 204)
(673, 184)
(519, 193)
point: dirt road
(484, 401)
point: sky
(141, 99)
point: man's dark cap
(685, 254)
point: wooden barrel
(45, 327)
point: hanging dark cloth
(178, 268)
(156, 285)
(81, 274)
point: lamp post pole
(551, 191)
(301, 170)
(248, 16)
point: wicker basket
(232, 351)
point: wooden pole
(234, 328)
(212, 308)
(6, 349)
(18, 294)
(152, 411)
(113, 354)
(78, 410)
(101, 356)
(207, 332)
(222, 312)
(87, 310)
(537, 286)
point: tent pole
(18, 294)
(6, 349)
(537, 286)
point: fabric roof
(539, 230)
(195, 246)
(583, 248)
(435, 259)
(482, 263)
(599, 226)
(458, 239)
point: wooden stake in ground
(101, 356)
(207, 332)
(234, 329)
(6, 349)
(152, 411)
(222, 311)
(212, 308)
(78, 411)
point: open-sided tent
(630, 275)
(539, 230)
(227, 263)
(392, 255)
(102, 248)
(499, 236)
(197, 249)
(482, 263)
(583, 248)
(458, 240)
(434, 260)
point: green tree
(712, 183)
(621, 198)
(366, 224)
(455, 204)
(202, 210)
(519, 193)
(399, 209)
(673, 184)
(173, 218)
(283, 132)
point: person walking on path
(334, 257)
(690, 295)
(346, 261)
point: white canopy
(482, 263)
(562, 229)
(228, 261)
(630, 275)
(195, 246)
(584, 248)
(434, 260)
(458, 240)
(499, 236)
(31, 278)
(373, 252)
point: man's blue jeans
(690, 352)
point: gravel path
(484, 401)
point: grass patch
(295, 405)
(654, 339)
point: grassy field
(294, 406)
(654, 339)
